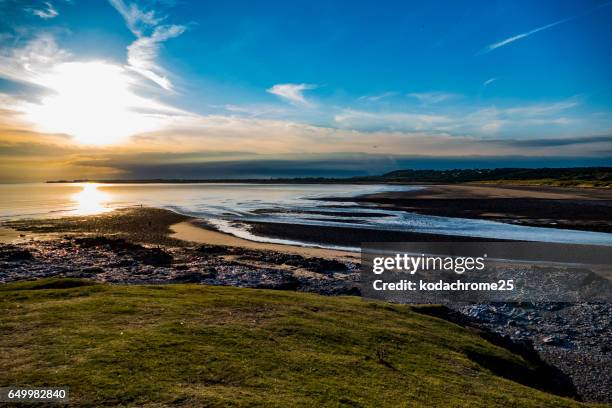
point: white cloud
(480, 121)
(541, 109)
(430, 98)
(376, 98)
(526, 34)
(396, 121)
(492, 120)
(136, 19)
(28, 63)
(254, 111)
(294, 93)
(507, 41)
(46, 13)
(489, 81)
(144, 51)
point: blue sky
(243, 80)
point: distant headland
(600, 177)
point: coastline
(537, 206)
(149, 225)
(140, 245)
(584, 209)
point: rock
(554, 340)
(90, 242)
(115, 244)
(122, 263)
(286, 282)
(92, 270)
(14, 254)
(195, 277)
(319, 265)
(154, 256)
(327, 265)
(212, 249)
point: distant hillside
(570, 176)
(594, 176)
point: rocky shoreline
(573, 337)
(116, 260)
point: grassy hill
(563, 177)
(191, 345)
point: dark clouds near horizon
(356, 165)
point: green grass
(191, 345)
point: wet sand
(192, 232)
(141, 224)
(553, 207)
(348, 236)
(149, 226)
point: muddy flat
(586, 209)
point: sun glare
(90, 200)
(91, 101)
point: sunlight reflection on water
(90, 200)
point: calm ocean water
(225, 205)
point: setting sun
(91, 101)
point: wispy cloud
(393, 121)
(430, 98)
(143, 53)
(489, 81)
(29, 63)
(507, 41)
(136, 19)
(294, 93)
(477, 121)
(554, 142)
(526, 34)
(46, 13)
(253, 111)
(493, 120)
(542, 109)
(376, 98)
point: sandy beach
(587, 209)
(193, 231)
